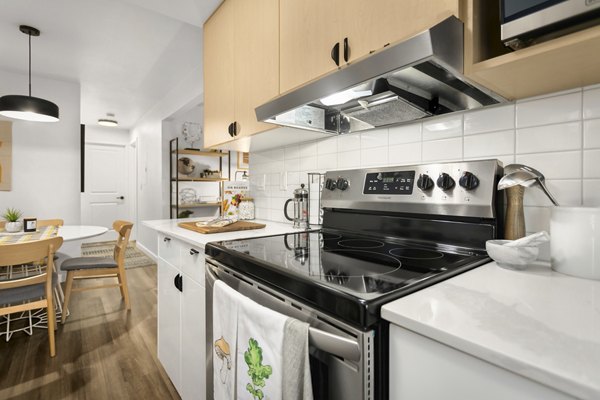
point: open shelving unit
(174, 153)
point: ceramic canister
(575, 241)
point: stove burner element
(329, 236)
(361, 243)
(416, 254)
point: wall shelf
(200, 179)
(198, 205)
(203, 153)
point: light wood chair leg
(124, 290)
(68, 288)
(51, 323)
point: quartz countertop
(170, 227)
(537, 323)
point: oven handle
(328, 342)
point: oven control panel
(391, 182)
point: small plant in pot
(12, 215)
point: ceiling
(126, 54)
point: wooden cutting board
(236, 226)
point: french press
(301, 208)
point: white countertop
(536, 323)
(169, 226)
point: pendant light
(28, 108)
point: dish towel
(297, 384)
(259, 352)
(226, 303)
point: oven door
(341, 358)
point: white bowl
(511, 257)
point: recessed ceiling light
(108, 121)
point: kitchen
(530, 333)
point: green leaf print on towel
(257, 372)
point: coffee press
(301, 208)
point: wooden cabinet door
(256, 56)
(371, 24)
(308, 31)
(218, 75)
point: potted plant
(12, 215)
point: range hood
(411, 79)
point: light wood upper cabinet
(241, 67)
(370, 25)
(309, 30)
(218, 75)
(256, 67)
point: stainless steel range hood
(412, 79)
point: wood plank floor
(102, 351)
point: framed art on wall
(243, 160)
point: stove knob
(424, 182)
(330, 184)
(445, 181)
(342, 183)
(468, 181)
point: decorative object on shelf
(29, 224)
(11, 216)
(187, 196)
(109, 120)
(244, 177)
(185, 166)
(246, 209)
(28, 108)
(191, 132)
(243, 160)
(5, 155)
(185, 214)
(233, 193)
(210, 174)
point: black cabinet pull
(176, 281)
(180, 283)
(193, 252)
(166, 239)
(335, 54)
(346, 50)
(231, 129)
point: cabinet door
(193, 336)
(192, 262)
(369, 25)
(256, 66)
(308, 31)
(218, 75)
(169, 322)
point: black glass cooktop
(343, 273)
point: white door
(105, 199)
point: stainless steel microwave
(525, 22)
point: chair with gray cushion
(31, 292)
(99, 267)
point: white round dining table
(78, 232)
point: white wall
(46, 156)
(107, 135)
(558, 134)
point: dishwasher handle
(328, 342)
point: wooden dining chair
(50, 222)
(30, 292)
(100, 267)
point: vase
(13, 227)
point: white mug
(575, 241)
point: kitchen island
(535, 333)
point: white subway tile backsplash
(443, 127)
(327, 146)
(490, 144)
(591, 192)
(537, 219)
(373, 157)
(591, 163)
(490, 119)
(440, 150)
(405, 134)
(560, 165)
(348, 159)
(348, 142)
(566, 192)
(376, 138)
(550, 110)
(545, 138)
(402, 154)
(308, 149)
(291, 152)
(292, 164)
(591, 134)
(307, 163)
(591, 102)
(326, 162)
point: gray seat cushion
(20, 294)
(76, 263)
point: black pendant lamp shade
(28, 107)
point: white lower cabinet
(424, 369)
(181, 319)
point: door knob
(120, 197)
